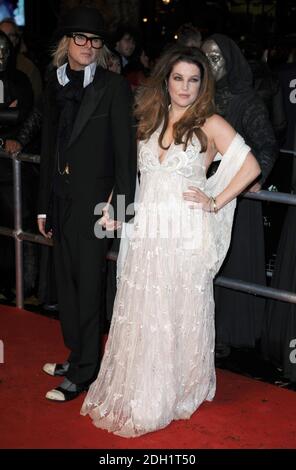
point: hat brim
(66, 31)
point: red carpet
(245, 413)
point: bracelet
(213, 205)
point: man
(88, 152)
(125, 43)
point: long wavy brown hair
(152, 99)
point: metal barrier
(20, 236)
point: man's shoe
(51, 307)
(66, 391)
(60, 394)
(58, 370)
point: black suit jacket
(101, 151)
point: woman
(159, 359)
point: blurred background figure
(138, 69)
(16, 103)
(23, 62)
(113, 60)
(188, 35)
(125, 43)
(267, 84)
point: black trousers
(80, 270)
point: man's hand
(109, 224)
(12, 146)
(41, 226)
(13, 104)
(113, 225)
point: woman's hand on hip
(197, 196)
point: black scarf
(69, 98)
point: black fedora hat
(82, 20)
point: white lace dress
(158, 364)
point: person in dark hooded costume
(279, 327)
(238, 315)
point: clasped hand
(107, 223)
(197, 196)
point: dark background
(271, 22)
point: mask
(216, 59)
(4, 53)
